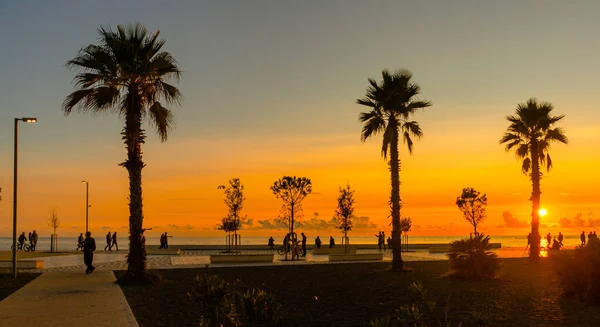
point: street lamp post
(14, 250)
(87, 206)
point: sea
(68, 242)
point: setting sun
(542, 212)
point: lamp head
(29, 119)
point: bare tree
(292, 191)
(53, 221)
(472, 204)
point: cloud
(577, 222)
(105, 227)
(173, 226)
(155, 227)
(188, 227)
(363, 223)
(123, 227)
(74, 227)
(512, 222)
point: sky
(269, 90)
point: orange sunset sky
(270, 91)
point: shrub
(221, 304)
(471, 258)
(579, 272)
(258, 308)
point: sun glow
(542, 212)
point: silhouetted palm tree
(392, 102)
(127, 73)
(531, 131)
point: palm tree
(392, 102)
(531, 131)
(127, 73)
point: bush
(221, 304)
(471, 258)
(579, 272)
(423, 312)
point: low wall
(23, 264)
(356, 257)
(333, 250)
(259, 247)
(240, 258)
(444, 248)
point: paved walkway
(68, 299)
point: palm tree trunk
(534, 252)
(397, 263)
(134, 137)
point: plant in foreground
(471, 258)
(579, 272)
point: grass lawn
(7, 255)
(9, 285)
(354, 294)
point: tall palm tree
(127, 73)
(391, 104)
(531, 131)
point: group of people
(164, 241)
(381, 240)
(33, 239)
(111, 240)
(590, 237)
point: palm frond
(526, 166)
(162, 119)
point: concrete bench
(155, 251)
(334, 250)
(240, 258)
(23, 264)
(356, 257)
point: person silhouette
(108, 242)
(582, 238)
(89, 246)
(560, 238)
(331, 242)
(114, 241)
(318, 242)
(271, 242)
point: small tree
(405, 226)
(54, 223)
(345, 211)
(234, 200)
(291, 191)
(472, 204)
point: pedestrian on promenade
(35, 239)
(582, 238)
(108, 239)
(114, 241)
(383, 240)
(166, 241)
(331, 242)
(271, 243)
(318, 242)
(89, 246)
(303, 245)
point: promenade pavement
(68, 299)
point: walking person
(331, 242)
(303, 245)
(318, 242)
(108, 239)
(560, 238)
(378, 240)
(166, 241)
(35, 239)
(114, 241)
(30, 238)
(383, 240)
(89, 246)
(582, 238)
(271, 243)
(162, 241)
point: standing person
(582, 238)
(528, 241)
(303, 245)
(318, 242)
(271, 243)
(331, 242)
(560, 238)
(80, 241)
(383, 240)
(35, 239)
(590, 236)
(549, 239)
(378, 240)
(114, 241)
(30, 238)
(166, 241)
(108, 238)
(89, 246)
(162, 241)
(389, 241)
